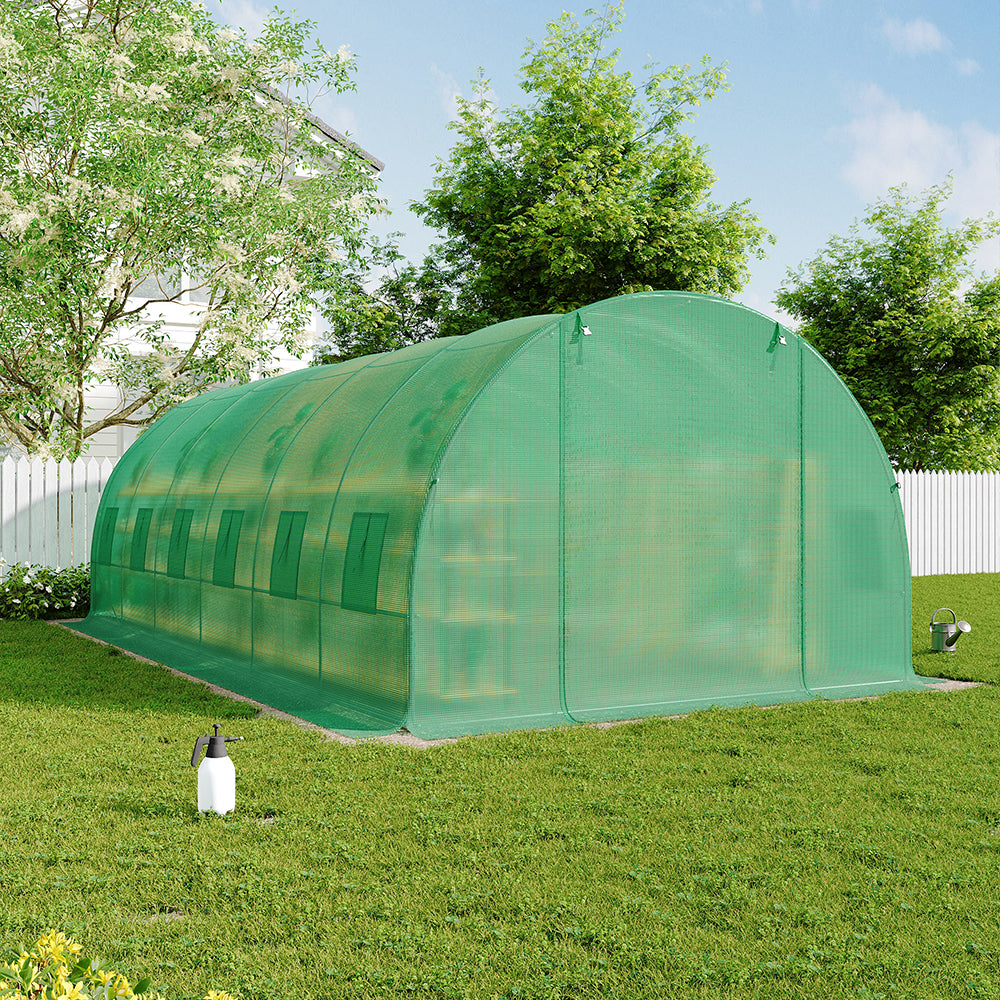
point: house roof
(338, 138)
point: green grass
(811, 850)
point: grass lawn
(813, 850)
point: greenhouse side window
(226, 543)
(362, 562)
(179, 533)
(107, 535)
(140, 534)
(285, 557)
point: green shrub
(39, 592)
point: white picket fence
(48, 511)
(952, 521)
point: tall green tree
(897, 310)
(405, 306)
(589, 190)
(143, 149)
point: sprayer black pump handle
(198, 744)
(212, 742)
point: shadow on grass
(44, 664)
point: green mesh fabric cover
(660, 502)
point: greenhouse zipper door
(680, 509)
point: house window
(140, 533)
(362, 562)
(158, 286)
(176, 287)
(285, 557)
(197, 289)
(177, 553)
(226, 543)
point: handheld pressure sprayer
(216, 775)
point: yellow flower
(216, 995)
(56, 945)
(32, 967)
(120, 987)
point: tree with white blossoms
(139, 143)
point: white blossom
(344, 54)
(129, 202)
(232, 251)
(304, 337)
(229, 184)
(21, 219)
(287, 280)
(154, 93)
(236, 161)
(226, 35)
(9, 48)
(120, 61)
(114, 278)
(184, 41)
(77, 189)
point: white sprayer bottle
(216, 775)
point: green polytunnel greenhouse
(654, 504)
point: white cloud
(891, 145)
(448, 91)
(967, 67)
(913, 37)
(732, 8)
(240, 14)
(977, 178)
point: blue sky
(830, 102)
